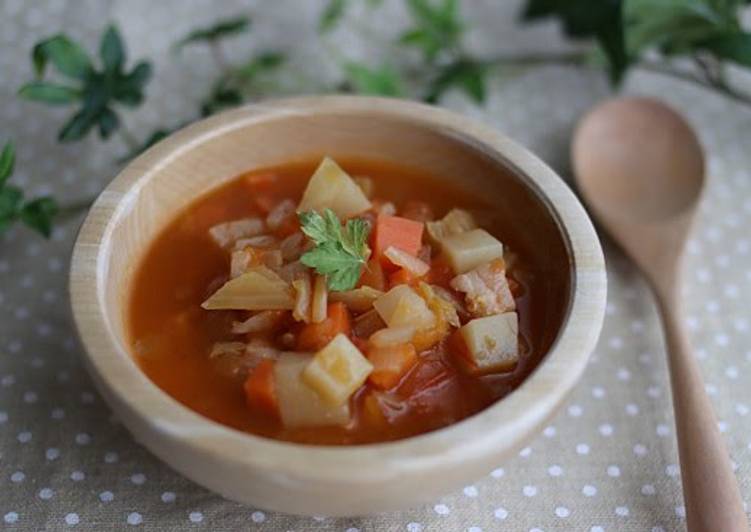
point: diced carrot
(398, 232)
(259, 181)
(401, 276)
(373, 276)
(260, 392)
(418, 211)
(315, 336)
(440, 273)
(390, 364)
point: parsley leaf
(340, 252)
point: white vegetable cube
(330, 187)
(492, 342)
(337, 370)
(402, 306)
(299, 404)
(466, 251)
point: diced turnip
(257, 289)
(331, 188)
(455, 222)
(337, 370)
(403, 306)
(491, 343)
(466, 251)
(299, 404)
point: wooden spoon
(640, 169)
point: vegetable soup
(327, 304)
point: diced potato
(257, 289)
(337, 370)
(357, 300)
(466, 251)
(299, 404)
(455, 222)
(403, 306)
(492, 343)
(331, 188)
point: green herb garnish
(340, 252)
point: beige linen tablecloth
(606, 462)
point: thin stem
(128, 137)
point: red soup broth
(171, 335)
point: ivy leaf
(264, 62)
(108, 122)
(11, 199)
(383, 81)
(735, 47)
(437, 27)
(39, 214)
(223, 28)
(220, 98)
(602, 20)
(78, 126)
(7, 162)
(67, 56)
(112, 50)
(331, 15)
(49, 93)
(466, 75)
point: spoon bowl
(640, 168)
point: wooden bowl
(320, 480)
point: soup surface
(410, 317)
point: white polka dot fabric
(608, 460)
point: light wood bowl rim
(496, 431)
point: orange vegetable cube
(315, 336)
(399, 232)
(401, 276)
(260, 392)
(390, 364)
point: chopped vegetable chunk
(257, 289)
(299, 404)
(491, 343)
(457, 221)
(260, 392)
(315, 336)
(390, 363)
(400, 233)
(359, 299)
(337, 370)
(403, 306)
(331, 188)
(226, 234)
(467, 251)
(486, 288)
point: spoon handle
(710, 490)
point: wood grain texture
(641, 170)
(296, 478)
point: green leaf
(112, 50)
(331, 15)
(7, 161)
(39, 213)
(108, 122)
(735, 47)
(49, 93)
(437, 27)
(383, 81)
(128, 90)
(66, 55)
(78, 126)
(601, 20)
(466, 75)
(220, 98)
(11, 199)
(339, 253)
(219, 30)
(264, 62)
